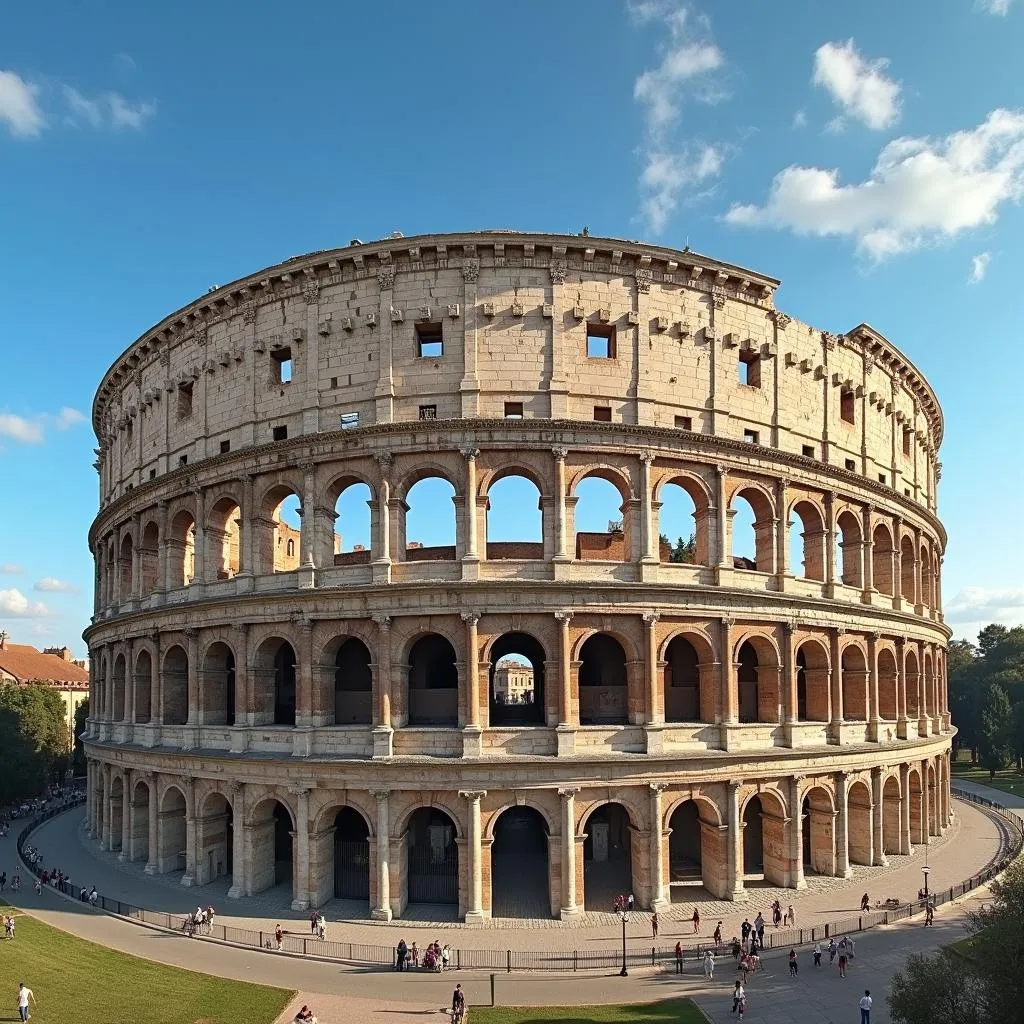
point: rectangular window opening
(882, 478)
(182, 460)
(282, 358)
(850, 465)
(152, 474)
(334, 383)
(750, 369)
(906, 492)
(429, 340)
(847, 406)
(906, 442)
(280, 433)
(807, 451)
(428, 412)
(684, 423)
(600, 341)
(751, 436)
(602, 413)
(184, 401)
(513, 410)
(225, 447)
(349, 420)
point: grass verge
(75, 980)
(678, 1011)
(1007, 781)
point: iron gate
(433, 878)
(352, 869)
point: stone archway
(892, 811)
(171, 831)
(607, 856)
(214, 839)
(818, 832)
(520, 883)
(859, 819)
(432, 858)
(269, 853)
(140, 838)
(764, 840)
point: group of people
(15, 880)
(90, 896)
(9, 926)
(435, 957)
(201, 921)
(305, 1015)
(318, 925)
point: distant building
(513, 682)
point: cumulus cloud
(996, 7)
(687, 70)
(861, 87)
(979, 266)
(921, 190)
(19, 106)
(10, 569)
(68, 417)
(108, 110)
(15, 604)
(51, 585)
(973, 608)
(17, 428)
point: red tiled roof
(28, 665)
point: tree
(962, 671)
(78, 757)
(34, 715)
(937, 988)
(995, 730)
(684, 551)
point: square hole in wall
(279, 433)
(600, 341)
(850, 465)
(751, 437)
(225, 447)
(282, 361)
(807, 451)
(847, 406)
(882, 479)
(349, 420)
(684, 423)
(513, 410)
(182, 460)
(602, 413)
(429, 340)
(152, 474)
(906, 442)
(184, 401)
(334, 383)
(428, 412)
(749, 369)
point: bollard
(508, 961)
(575, 960)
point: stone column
(906, 843)
(194, 697)
(721, 541)
(472, 734)
(659, 901)
(383, 733)
(200, 544)
(926, 816)
(469, 511)
(129, 683)
(566, 720)
(867, 555)
(153, 853)
(727, 684)
(655, 698)
(300, 900)
(237, 841)
(136, 529)
(156, 693)
(307, 536)
(475, 912)
(830, 542)
(380, 542)
(878, 811)
(796, 818)
(382, 911)
(105, 837)
(781, 534)
(735, 879)
(836, 722)
(648, 538)
(569, 906)
(246, 541)
(842, 827)
(918, 589)
(189, 878)
(126, 816)
(561, 540)
(922, 693)
(901, 688)
(874, 718)
(897, 563)
(788, 689)
(304, 676)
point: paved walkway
(1011, 800)
(970, 844)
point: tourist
(929, 915)
(794, 967)
(745, 929)
(791, 915)
(312, 924)
(865, 902)
(93, 896)
(738, 998)
(446, 956)
(832, 949)
(654, 924)
(210, 914)
(709, 965)
(851, 951)
(817, 954)
(865, 1007)
(458, 1004)
(414, 956)
(718, 934)
(759, 927)
(24, 995)
(776, 913)
(321, 927)
(737, 948)
(679, 958)
(696, 921)
(401, 952)
(842, 964)
(629, 902)
(306, 1015)
(278, 936)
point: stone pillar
(655, 698)
(878, 822)
(383, 733)
(723, 559)
(105, 838)
(469, 511)
(300, 899)
(189, 878)
(922, 693)
(867, 555)
(918, 589)
(237, 888)
(472, 734)
(475, 911)
(126, 816)
(796, 828)
(156, 693)
(561, 540)
(926, 816)
(830, 542)
(659, 899)
(160, 586)
(735, 839)
(788, 689)
(153, 854)
(897, 563)
(842, 827)
(566, 719)
(781, 534)
(195, 699)
(902, 727)
(200, 545)
(569, 906)
(129, 684)
(874, 718)
(836, 721)
(648, 540)
(246, 517)
(728, 685)
(304, 676)
(382, 911)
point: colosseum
(294, 680)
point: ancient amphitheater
(277, 703)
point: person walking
(794, 967)
(817, 954)
(458, 1004)
(842, 965)
(759, 928)
(738, 995)
(312, 923)
(865, 1007)
(709, 965)
(278, 936)
(679, 958)
(718, 934)
(654, 924)
(696, 921)
(24, 995)
(832, 947)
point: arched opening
(139, 825)
(429, 521)
(433, 858)
(175, 686)
(171, 831)
(351, 856)
(818, 832)
(285, 532)
(757, 681)
(882, 559)
(124, 565)
(433, 682)
(855, 684)
(214, 834)
(683, 523)
(812, 683)
(120, 683)
(517, 681)
(284, 685)
(926, 578)
(891, 813)
(916, 808)
(751, 528)
(223, 539)
(907, 570)
(181, 550)
(912, 682)
(218, 698)
(607, 857)
(149, 556)
(351, 538)
(515, 520)
(933, 802)
(270, 840)
(887, 686)
(143, 683)
(602, 533)
(519, 865)
(849, 540)
(685, 845)
(807, 542)
(690, 687)
(753, 840)
(353, 684)
(116, 812)
(858, 802)
(603, 684)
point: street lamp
(925, 871)
(624, 918)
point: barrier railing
(533, 960)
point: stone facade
(333, 715)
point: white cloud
(979, 266)
(996, 7)
(973, 608)
(10, 569)
(688, 62)
(18, 606)
(126, 61)
(51, 585)
(17, 428)
(68, 417)
(108, 110)
(800, 119)
(19, 106)
(920, 190)
(859, 86)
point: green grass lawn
(676, 1011)
(1007, 781)
(75, 980)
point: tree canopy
(33, 741)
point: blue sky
(870, 155)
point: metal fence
(532, 960)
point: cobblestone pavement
(970, 843)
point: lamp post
(624, 918)
(925, 871)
